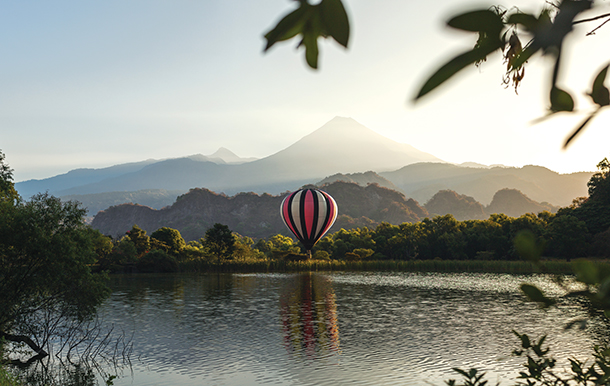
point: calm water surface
(331, 329)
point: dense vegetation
(580, 230)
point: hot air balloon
(309, 214)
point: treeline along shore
(440, 243)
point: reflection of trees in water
(309, 315)
(59, 371)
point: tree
(169, 237)
(219, 240)
(7, 187)
(45, 278)
(138, 237)
(45, 255)
(497, 29)
(595, 210)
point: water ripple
(329, 329)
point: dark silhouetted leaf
(586, 272)
(478, 21)
(310, 41)
(561, 100)
(535, 295)
(579, 129)
(581, 323)
(287, 28)
(599, 92)
(335, 20)
(527, 246)
(525, 19)
(524, 56)
(456, 64)
(525, 340)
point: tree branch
(592, 18)
(27, 340)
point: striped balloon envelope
(309, 214)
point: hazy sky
(93, 84)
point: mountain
(256, 215)
(362, 179)
(222, 156)
(73, 181)
(511, 202)
(514, 203)
(342, 149)
(422, 181)
(154, 198)
(77, 177)
(461, 206)
(340, 146)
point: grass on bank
(7, 379)
(483, 266)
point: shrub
(157, 261)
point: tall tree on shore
(45, 278)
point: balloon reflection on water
(308, 313)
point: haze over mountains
(342, 147)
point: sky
(94, 84)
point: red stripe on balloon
(308, 206)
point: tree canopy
(45, 254)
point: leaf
(586, 272)
(335, 20)
(561, 100)
(478, 21)
(534, 294)
(581, 323)
(310, 41)
(579, 129)
(290, 26)
(524, 55)
(527, 246)
(525, 19)
(456, 64)
(525, 340)
(599, 92)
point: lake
(332, 328)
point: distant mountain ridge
(510, 202)
(422, 181)
(342, 149)
(73, 181)
(256, 215)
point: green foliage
(321, 255)
(7, 379)
(311, 21)
(500, 30)
(46, 251)
(139, 239)
(123, 252)
(219, 241)
(243, 249)
(157, 261)
(595, 210)
(278, 245)
(8, 193)
(470, 378)
(540, 368)
(169, 240)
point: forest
(580, 230)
